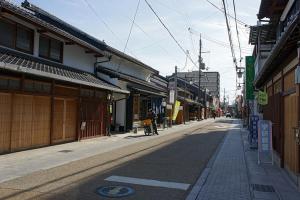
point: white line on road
(148, 182)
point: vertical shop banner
(250, 77)
(265, 139)
(176, 110)
(253, 132)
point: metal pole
(224, 100)
(184, 113)
(175, 82)
(199, 89)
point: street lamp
(240, 74)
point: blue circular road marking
(115, 191)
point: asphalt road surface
(160, 169)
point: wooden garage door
(64, 120)
(92, 112)
(291, 150)
(30, 121)
(5, 121)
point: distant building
(209, 80)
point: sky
(111, 20)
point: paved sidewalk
(233, 170)
(227, 177)
(19, 164)
(268, 175)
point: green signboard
(262, 98)
(249, 77)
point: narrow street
(174, 160)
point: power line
(229, 34)
(105, 24)
(223, 11)
(137, 8)
(237, 31)
(145, 33)
(95, 13)
(218, 42)
(172, 36)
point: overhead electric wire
(105, 24)
(239, 21)
(172, 36)
(237, 31)
(150, 37)
(218, 42)
(229, 34)
(136, 10)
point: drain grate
(65, 151)
(263, 188)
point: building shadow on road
(179, 159)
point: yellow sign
(262, 98)
(176, 110)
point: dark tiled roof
(47, 20)
(267, 34)
(34, 19)
(130, 78)
(17, 61)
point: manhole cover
(115, 191)
(263, 188)
(65, 151)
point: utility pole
(199, 89)
(184, 110)
(224, 100)
(175, 81)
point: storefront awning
(190, 101)
(23, 63)
(128, 78)
(145, 91)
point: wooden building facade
(47, 94)
(275, 74)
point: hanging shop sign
(169, 106)
(176, 110)
(250, 77)
(262, 98)
(264, 140)
(172, 96)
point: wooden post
(11, 120)
(52, 111)
(298, 96)
(79, 104)
(282, 120)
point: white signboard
(172, 97)
(169, 106)
(265, 139)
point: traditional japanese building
(275, 38)
(49, 91)
(187, 93)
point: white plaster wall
(73, 55)
(121, 112)
(76, 57)
(128, 68)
